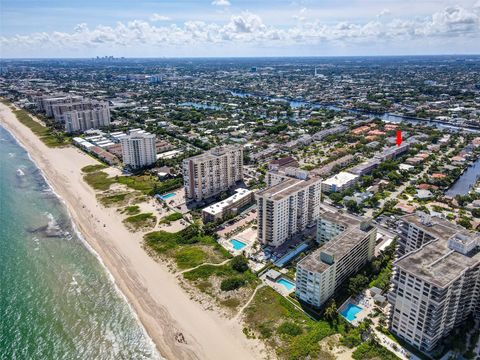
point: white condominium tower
(81, 120)
(138, 149)
(436, 284)
(213, 172)
(286, 209)
(349, 243)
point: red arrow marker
(399, 137)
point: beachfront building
(436, 283)
(138, 149)
(229, 206)
(286, 209)
(339, 182)
(81, 120)
(420, 228)
(349, 243)
(48, 103)
(213, 172)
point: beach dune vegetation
(49, 137)
(141, 221)
(178, 247)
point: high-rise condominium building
(82, 120)
(213, 172)
(349, 243)
(436, 284)
(286, 209)
(138, 149)
(48, 103)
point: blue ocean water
(56, 299)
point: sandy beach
(162, 306)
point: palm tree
(331, 311)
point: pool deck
(364, 301)
(282, 290)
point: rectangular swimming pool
(286, 283)
(167, 196)
(350, 312)
(237, 244)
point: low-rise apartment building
(349, 243)
(339, 182)
(229, 206)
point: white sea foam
(150, 342)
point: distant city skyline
(54, 28)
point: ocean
(57, 301)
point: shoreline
(155, 296)
(91, 250)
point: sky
(210, 28)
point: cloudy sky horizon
(65, 28)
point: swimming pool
(350, 312)
(167, 196)
(237, 244)
(286, 283)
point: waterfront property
(286, 209)
(436, 284)
(229, 206)
(138, 149)
(345, 252)
(213, 172)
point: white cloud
(158, 17)
(248, 28)
(221, 3)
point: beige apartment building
(349, 243)
(436, 283)
(286, 209)
(213, 172)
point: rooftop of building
(436, 262)
(218, 207)
(286, 188)
(213, 153)
(435, 226)
(356, 230)
(340, 179)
